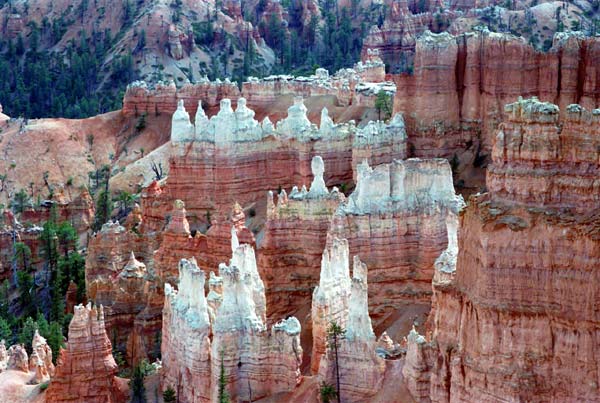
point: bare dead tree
(157, 169)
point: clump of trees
(41, 83)
(37, 297)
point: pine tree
(383, 104)
(169, 395)
(5, 331)
(223, 395)
(22, 256)
(21, 201)
(55, 339)
(27, 332)
(334, 333)
(138, 390)
(27, 295)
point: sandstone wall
(204, 340)
(469, 78)
(517, 320)
(401, 207)
(234, 158)
(260, 93)
(294, 238)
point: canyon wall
(517, 318)
(210, 171)
(295, 234)
(402, 207)
(358, 86)
(456, 95)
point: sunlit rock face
(395, 220)
(226, 331)
(516, 320)
(256, 362)
(330, 298)
(40, 360)
(86, 368)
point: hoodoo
(299, 201)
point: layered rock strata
(349, 86)
(185, 336)
(210, 171)
(117, 280)
(330, 298)
(455, 98)
(361, 370)
(516, 321)
(294, 238)
(199, 345)
(86, 368)
(543, 159)
(256, 362)
(402, 206)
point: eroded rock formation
(515, 321)
(17, 358)
(400, 207)
(456, 96)
(185, 336)
(86, 368)
(294, 238)
(361, 370)
(207, 164)
(357, 86)
(40, 360)
(330, 298)
(256, 362)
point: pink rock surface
(86, 368)
(516, 320)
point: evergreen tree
(27, 294)
(383, 104)
(21, 201)
(334, 333)
(138, 390)
(223, 395)
(55, 339)
(27, 332)
(22, 256)
(5, 331)
(327, 392)
(169, 395)
(104, 208)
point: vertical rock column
(360, 370)
(185, 336)
(256, 364)
(86, 368)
